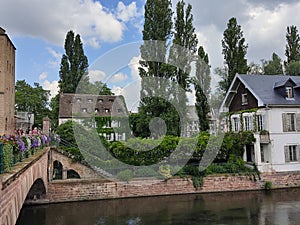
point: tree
(255, 69)
(32, 99)
(273, 66)
(202, 88)
(154, 74)
(234, 51)
(74, 65)
(292, 48)
(293, 68)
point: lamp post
(29, 117)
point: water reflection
(278, 207)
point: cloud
(51, 86)
(134, 67)
(96, 75)
(126, 13)
(52, 19)
(43, 76)
(56, 57)
(118, 77)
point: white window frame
(244, 99)
(289, 92)
(291, 126)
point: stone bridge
(29, 181)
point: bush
(145, 172)
(8, 157)
(268, 185)
(125, 175)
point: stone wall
(15, 186)
(78, 190)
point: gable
(237, 104)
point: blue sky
(38, 28)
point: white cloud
(134, 67)
(52, 19)
(96, 75)
(51, 86)
(56, 57)
(43, 76)
(126, 13)
(118, 77)
(94, 42)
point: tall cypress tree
(234, 51)
(202, 88)
(74, 64)
(154, 73)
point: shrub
(268, 185)
(145, 172)
(125, 175)
(8, 157)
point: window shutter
(286, 154)
(298, 121)
(298, 152)
(284, 122)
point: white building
(109, 110)
(268, 105)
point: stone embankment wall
(79, 190)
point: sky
(111, 32)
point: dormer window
(289, 92)
(244, 99)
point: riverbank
(94, 189)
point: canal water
(280, 207)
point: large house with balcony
(92, 111)
(268, 105)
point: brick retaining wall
(78, 190)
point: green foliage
(65, 131)
(75, 153)
(234, 51)
(293, 68)
(273, 66)
(32, 99)
(292, 49)
(145, 172)
(125, 175)
(54, 105)
(165, 171)
(74, 65)
(8, 157)
(268, 185)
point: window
(291, 153)
(78, 99)
(107, 137)
(247, 123)
(259, 121)
(244, 99)
(289, 92)
(84, 109)
(100, 100)
(289, 122)
(96, 110)
(236, 124)
(110, 100)
(90, 100)
(106, 110)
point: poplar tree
(292, 48)
(292, 51)
(202, 88)
(157, 33)
(74, 64)
(234, 51)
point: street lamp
(29, 117)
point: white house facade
(268, 105)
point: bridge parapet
(15, 186)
